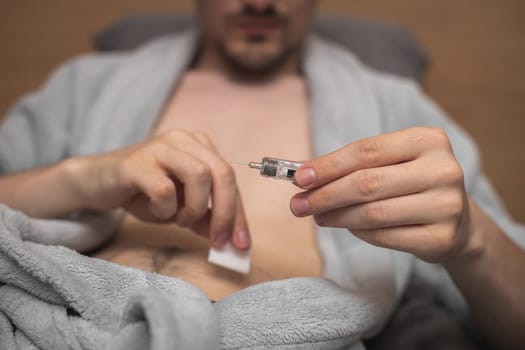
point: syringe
(277, 168)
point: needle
(238, 163)
(253, 165)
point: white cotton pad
(231, 258)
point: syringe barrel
(279, 168)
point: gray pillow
(385, 47)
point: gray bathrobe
(52, 297)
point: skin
(403, 190)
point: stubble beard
(247, 67)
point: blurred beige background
(477, 73)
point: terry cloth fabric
(419, 323)
(100, 103)
(55, 298)
(51, 297)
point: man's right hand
(170, 178)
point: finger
(158, 188)
(140, 207)
(203, 139)
(224, 203)
(388, 149)
(241, 238)
(223, 186)
(202, 226)
(428, 242)
(195, 176)
(420, 208)
(367, 185)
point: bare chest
(247, 123)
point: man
(247, 91)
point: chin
(257, 62)
(256, 65)
(261, 58)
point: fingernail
(243, 238)
(305, 176)
(220, 240)
(300, 206)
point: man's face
(255, 35)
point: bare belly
(172, 251)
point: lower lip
(258, 28)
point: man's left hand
(402, 190)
